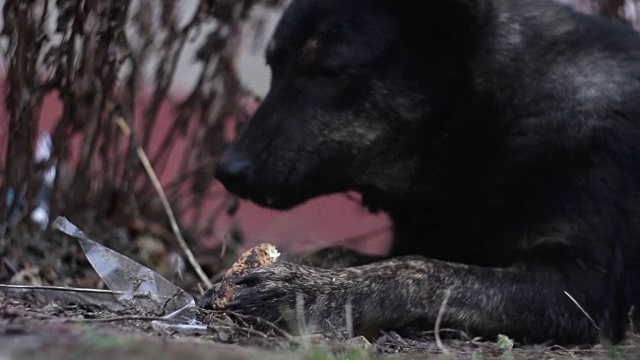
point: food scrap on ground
(257, 257)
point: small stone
(359, 342)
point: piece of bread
(257, 257)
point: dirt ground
(66, 325)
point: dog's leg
(336, 257)
(527, 302)
(327, 258)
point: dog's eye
(317, 57)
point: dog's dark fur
(501, 136)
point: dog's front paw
(288, 293)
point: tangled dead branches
(113, 64)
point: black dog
(502, 137)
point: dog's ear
(455, 21)
(439, 12)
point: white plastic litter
(140, 287)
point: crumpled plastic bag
(137, 286)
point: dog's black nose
(233, 172)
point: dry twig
(443, 306)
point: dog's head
(347, 102)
